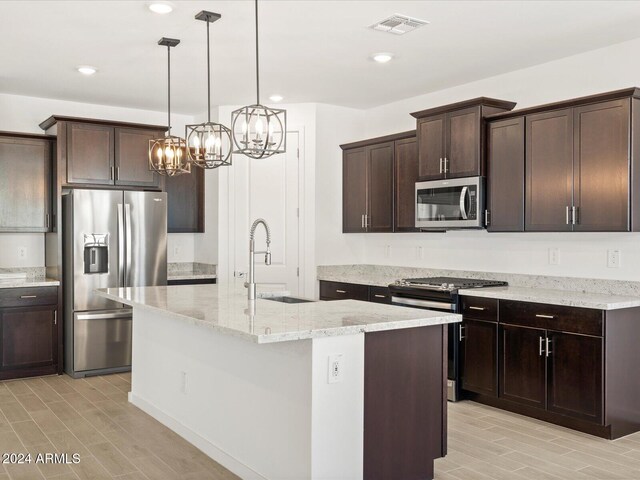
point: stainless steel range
(440, 293)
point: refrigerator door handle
(127, 224)
(121, 249)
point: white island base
(262, 411)
(252, 385)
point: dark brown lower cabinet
(29, 341)
(478, 362)
(404, 402)
(185, 202)
(574, 369)
(522, 365)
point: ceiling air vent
(398, 24)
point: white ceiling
(311, 51)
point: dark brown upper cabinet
(373, 193)
(90, 158)
(131, 157)
(581, 158)
(103, 153)
(185, 202)
(25, 182)
(406, 175)
(505, 176)
(450, 138)
(549, 153)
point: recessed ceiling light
(275, 98)
(161, 7)
(87, 70)
(382, 57)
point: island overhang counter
(320, 390)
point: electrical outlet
(613, 258)
(419, 253)
(176, 251)
(183, 382)
(334, 373)
(554, 256)
(22, 252)
(387, 251)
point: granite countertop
(555, 297)
(226, 309)
(28, 282)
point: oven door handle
(413, 302)
(463, 201)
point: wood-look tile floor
(115, 440)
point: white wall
(581, 255)
(24, 114)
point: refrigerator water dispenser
(96, 253)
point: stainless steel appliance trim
(127, 226)
(540, 347)
(104, 315)
(121, 234)
(463, 198)
(423, 303)
(540, 315)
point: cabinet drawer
(343, 291)
(480, 308)
(584, 321)
(379, 295)
(26, 297)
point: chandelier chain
(169, 89)
(208, 78)
(257, 60)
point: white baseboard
(197, 440)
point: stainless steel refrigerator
(111, 238)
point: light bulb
(159, 154)
(209, 143)
(196, 141)
(259, 127)
(169, 153)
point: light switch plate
(613, 258)
(554, 256)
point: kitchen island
(272, 390)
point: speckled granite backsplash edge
(32, 272)
(178, 268)
(383, 275)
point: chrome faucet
(251, 282)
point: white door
(274, 196)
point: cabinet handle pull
(540, 315)
(462, 337)
(567, 215)
(47, 222)
(547, 349)
(341, 291)
(362, 220)
(28, 296)
(446, 164)
(477, 308)
(486, 217)
(111, 173)
(540, 347)
(117, 173)
(377, 295)
(574, 215)
(55, 317)
(440, 164)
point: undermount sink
(288, 299)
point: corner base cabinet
(29, 333)
(565, 365)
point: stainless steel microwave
(450, 204)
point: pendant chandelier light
(208, 144)
(167, 155)
(259, 131)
